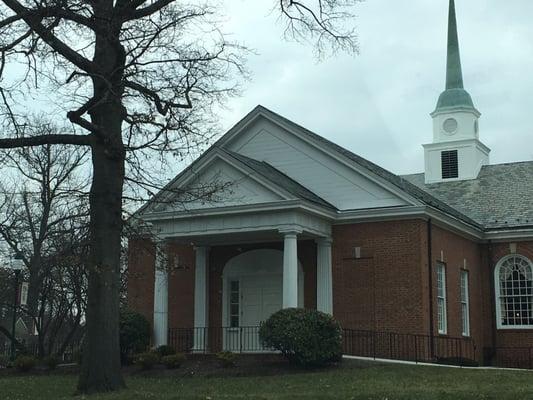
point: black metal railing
(409, 347)
(214, 339)
(66, 354)
(363, 343)
(511, 357)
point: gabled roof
(277, 177)
(500, 198)
(262, 171)
(396, 180)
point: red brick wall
(140, 288)
(454, 250)
(383, 290)
(180, 286)
(387, 289)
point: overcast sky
(377, 104)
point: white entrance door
(252, 292)
(261, 296)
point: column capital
(290, 231)
(201, 248)
(324, 241)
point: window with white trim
(441, 299)
(514, 292)
(465, 303)
(234, 304)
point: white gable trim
(262, 112)
(202, 164)
(218, 154)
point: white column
(324, 286)
(290, 269)
(160, 298)
(201, 299)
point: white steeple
(456, 152)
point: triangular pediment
(316, 165)
(217, 181)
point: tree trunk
(100, 370)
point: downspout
(430, 287)
(493, 300)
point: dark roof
(278, 178)
(501, 196)
(398, 181)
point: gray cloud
(378, 103)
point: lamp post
(16, 265)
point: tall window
(514, 292)
(465, 304)
(441, 298)
(450, 164)
(234, 304)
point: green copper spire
(454, 97)
(454, 74)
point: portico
(263, 276)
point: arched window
(513, 278)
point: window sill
(515, 328)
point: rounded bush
(147, 360)
(173, 361)
(165, 350)
(306, 337)
(24, 363)
(134, 333)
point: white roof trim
(203, 163)
(262, 112)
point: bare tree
(43, 207)
(132, 75)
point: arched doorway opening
(252, 290)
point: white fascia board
(337, 156)
(379, 214)
(244, 209)
(446, 221)
(517, 235)
(422, 212)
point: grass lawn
(371, 381)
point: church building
(273, 216)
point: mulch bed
(246, 365)
(204, 366)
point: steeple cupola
(456, 152)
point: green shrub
(306, 337)
(51, 362)
(173, 361)
(147, 360)
(134, 333)
(226, 359)
(24, 363)
(165, 350)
